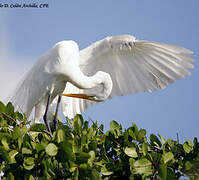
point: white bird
(113, 66)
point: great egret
(113, 66)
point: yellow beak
(81, 96)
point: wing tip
(187, 51)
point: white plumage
(134, 65)
(114, 66)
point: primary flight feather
(134, 66)
(114, 66)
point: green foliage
(79, 151)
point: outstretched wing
(134, 65)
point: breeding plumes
(114, 66)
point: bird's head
(104, 86)
(101, 91)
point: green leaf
(187, 148)
(114, 125)
(105, 172)
(2, 107)
(60, 135)
(101, 128)
(51, 149)
(90, 132)
(107, 143)
(65, 152)
(141, 135)
(47, 164)
(38, 127)
(162, 138)
(162, 172)
(72, 167)
(5, 154)
(84, 140)
(10, 109)
(26, 141)
(92, 146)
(189, 143)
(23, 130)
(16, 132)
(188, 165)
(135, 129)
(26, 151)
(76, 174)
(20, 141)
(82, 157)
(77, 123)
(155, 141)
(5, 143)
(170, 142)
(92, 157)
(195, 141)
(87, 153)
(143, 166)
(170, 174)
(29, 177)
(39, 147)
(131, 162)
(145, 149)
(131, 133)
(95, 175)
(85, 126)
(167, 157)
(155, 156)
(12, 155)
(19, 158)
(10, 176)
(131, 151)
(83, 166)
(28, 163)
(19, 116)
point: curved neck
(107, 86)
(82, 81)
(77, 78)
(103, 86)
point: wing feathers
(155, 70)
(150, 73)
(135, 66)
(169, 47)
(172, 57)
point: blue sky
(26, 33)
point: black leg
(56, 112)
(46, 113)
